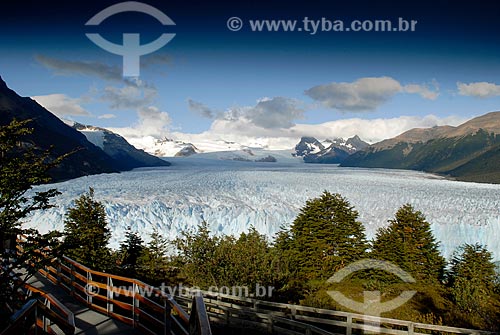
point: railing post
(348, 330)
(255, 304)
(411, 328)
(58, 276)
(135, 305)
(36, 319)
(167, 310)
(46, 321)
(89, 287)
(109, 295)
(72, 279)
(270, 326)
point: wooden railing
(294, 319)
(45, 313)
(129, 300)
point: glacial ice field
(232, 196)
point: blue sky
(210, 82)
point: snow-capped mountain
(330, 151)
(308, 146)
(351, 145)
(169, 147)
(115, 146)
(188, 150)
(94, 151)
(252, 155)
(165, 147)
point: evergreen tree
(22, 165)
(251, 260)
(325, 237)
(197, 255)
(87, 234)
(153, 262)
(473, 261)
(131, 249)
(408, 242)
(472, 277)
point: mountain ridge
(330, 151)
(469, 152)
(49, 132)
(127, 156)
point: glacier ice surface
(232, 196)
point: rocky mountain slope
(50, 132)
(330, 151)
(470, 151)
(126, 155)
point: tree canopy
(22, 166)
(86, 233)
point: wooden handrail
(158, 310)
(39, 314)
(199, 323)
(153, 313)
(51, 301)
(228, 308)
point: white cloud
(107, 116)
(129, 96)
(62, 105)
(268, 113)
(85, 68)
(365, 94)
(478, 89)
(152, 122)
(272, 113)
(201, 109)
(424, 90)
(371, 130)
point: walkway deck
(87, 321)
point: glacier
(232, 196)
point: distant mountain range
(330, 151)
(469, 152)
(126, 156)
(49, 131)
(168, 147)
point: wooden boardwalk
(87, 321)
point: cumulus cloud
(152, 122)
(128, 97)
(365, 94)
(425, 91)
(371, 130)
(361, 95)
(268, 113)
(62, 105)
(201, 109)
(274, 113)
(68, 67)
(479, 89)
